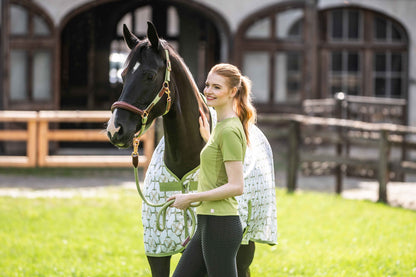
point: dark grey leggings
(213, 248)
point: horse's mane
(178, 65)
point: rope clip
(135, 154)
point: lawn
(319, 235)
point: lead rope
(164, 206)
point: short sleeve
(232, 145)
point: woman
(214, 246)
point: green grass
(65, 171)
(319, 235)
(325, 235)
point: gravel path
(399, 194)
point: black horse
(149, 92)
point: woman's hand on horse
(204, 128)
(182, 201)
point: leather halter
(145, 113)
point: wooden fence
(300, 133)
(362, 108)
(28, 135)
(38, 135)
(359, 108)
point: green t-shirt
(226, 143)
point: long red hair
(242, 101)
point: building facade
(60, 54)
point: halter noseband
(145, 113)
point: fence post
(43, 142)
(383, 166)
(293, 155)
(339, 147)
(31, 142)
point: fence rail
(38, 135)
(338, 134)
(363, 108)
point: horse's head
(145, 95)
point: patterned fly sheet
(257, 206)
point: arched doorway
(93, 49)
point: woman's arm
(234, 187)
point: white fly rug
(260, 223)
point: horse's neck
(183, 142)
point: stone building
(61, 54)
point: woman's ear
(233, 92)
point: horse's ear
(153, 36)
(130, 39)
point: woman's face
(217, 91)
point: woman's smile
(210, 98)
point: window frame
(273, 45)
(30, 43)
(366, 48)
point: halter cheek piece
(145, 113)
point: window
(256, 66)
(30, 55)
(272, 54)
(21, 19)
(289, 24)
(363, 59)
(345, 74)
(260, 29)
(388, 74)
(118, 55)
(353, 50)
(345, 25)
(41, 79)
(288, 77)
(386, 30)
(18, 75)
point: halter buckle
(145, 114)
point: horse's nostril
(115, 133)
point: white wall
(234, 11)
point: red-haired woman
(213, 248)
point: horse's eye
(150, 75)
